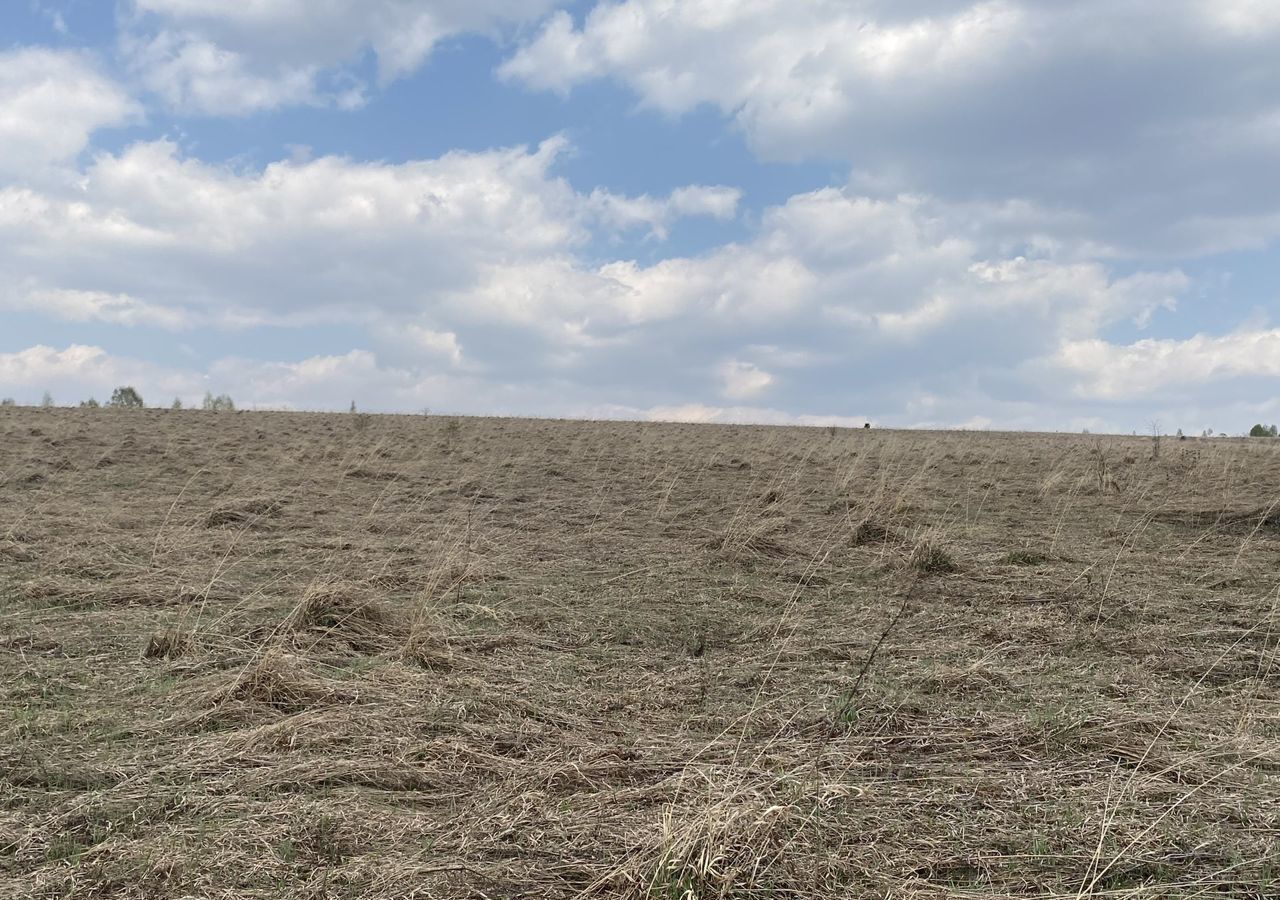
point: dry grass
(310, 656)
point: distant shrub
(1262, 431)
(125, 398)
(46, 401)
(176, 404)
(89, 404)
(220, 403)
(8, 401)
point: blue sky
(924, 213)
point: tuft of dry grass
(241, 512)
(929, 557)
(277, 681)
(728, 841)
(869, 531)
(334, 615)
(169, 643)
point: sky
(1008, 214)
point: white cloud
(196, 75)
(701, 200)
(233, 58)
(151, 237)
(80, 371)
(441, 343)
(1250, 19)
(620, 213)
(1154, 367)
(96, 306)
(487, 251)
(1137, 131)
(324, 382)
(889, 269)
(50, 103)
(906, 308)
(957, 278)
(742, 379)
(768, 58)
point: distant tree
(125, 398)
(1261, 430)
(220, 403)
(89, 404)
(353, 406)
(8, 401)
(176, 404)
(46, 402)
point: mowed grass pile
(263, 655)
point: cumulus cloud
(1157, 133)
(152, 236)
(442, 343)
(1163, 366)
(51, 101)
(315, 382)
(213, 57)
(742, 379)
(196, 75)
(657, 214)
(476, 266)
(330, 382)
(882, 270)
(772, 54)
(321, 382)
(993, 239)
(1253, 19)
(82, 371)
(96, 306)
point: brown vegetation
(283, 655)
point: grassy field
(250, 655)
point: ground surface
(274, 655)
